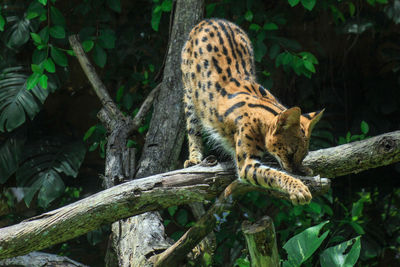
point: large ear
(287, 119)
(310, 119)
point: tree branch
(97, 84)
(356, 157)
(386, 148)
(194, 184)
(39, 259)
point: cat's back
(219, 50)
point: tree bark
(261, 242)
(39, 259)
(380, 150)
(195, 184)
(138, 238)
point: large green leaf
(334, 256)
(17, 32)
(300, 247)
(16, 102)
(10, 152)
(42, 165)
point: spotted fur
(222, 97)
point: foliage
(339, 55)
(301, 246)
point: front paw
(190, 162)
(299, 194)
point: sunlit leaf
(334, 256)
(49, 65)
(300, 247)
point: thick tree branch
(156, 192)
(356, 157)
(194, 184)
(384, 147)
(40, 259)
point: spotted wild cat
(223, 98)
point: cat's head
(289, 136)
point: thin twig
(146, 105)
(97, 84)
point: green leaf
(241, 262)
(300, 247)
(57, 17)
(182, 217)
(43, 81)
(120, 93)
(31, 15)
(2, 23)
(107, 39)
(89, 133)
(166, 5)
(210, 8)
(59, 57)
(49, 65)
(334, 256)
(57, 32)
(32, 80)
(10, 152)
(248, 15)
(87, 45)
(36, 68)
(172, 210)
(114, 5)
(15, 101)
(131, 143)
(43, 163)
(38, 56)
(293, 3)
(43, 2)
(352, 9)
(99, 56)
(358, 228)
(155, 19)
(18, 33)
(274, 51)
(315, 207)
(36, 38)
(364, 127)
(309, 66)
(270, 26)
(44, 35)
(260, 49)
(308, 4)
(309, 57)
(254, 27)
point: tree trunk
(261, 242)
(136, 239)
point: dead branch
(39, 259)
(194, 184)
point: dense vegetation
(343, 56)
